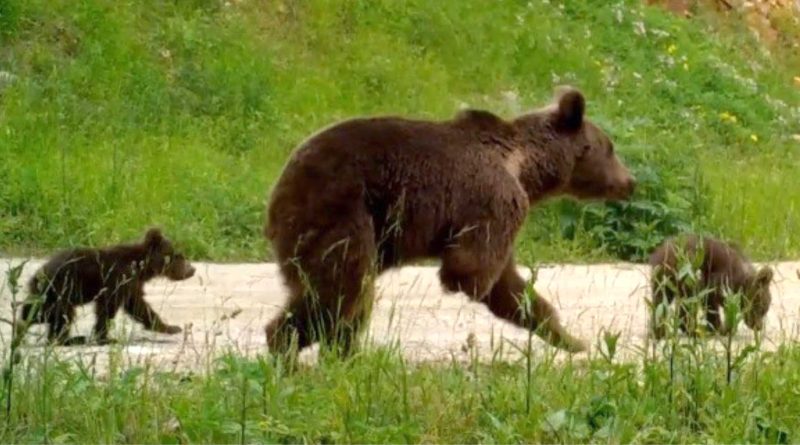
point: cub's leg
(105, 310)
(141, 311)
(59, 321)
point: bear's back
(441, 173)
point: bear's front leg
(472, 273)
(105, 310)
(505, 300)
(142, 312)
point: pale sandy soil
(411, 310)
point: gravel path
(225, 306)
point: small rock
(171, 425)
(470, 343)
(6, 79)
(232, 315)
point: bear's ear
(570, 107)
(764, 276)
(153, 237)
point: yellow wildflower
(727, 117)
(672, 48)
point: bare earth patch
(226, 306)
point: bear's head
(582, 154)
(163, 259)
(757, 298)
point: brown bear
(721, 269)
(369, 194)
(111, 277)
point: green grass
(125, 114)
(115, 115)
(378, 397)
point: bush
(666, 203)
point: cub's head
(757, 299)
(163, 259)
(591, 169)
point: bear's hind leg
(662, 295)
(59, 321)
(105, 310)
(353, 316)
(311, 316)
(289, 326)
(329, 279)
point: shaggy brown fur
(369, 194)
(113, 277)
(722, 269)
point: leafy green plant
(630, 230)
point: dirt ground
(226, 306)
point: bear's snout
(189, 272)
(178, 272)
(629, 187)
(756, 325)
(623, 188)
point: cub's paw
(171, 330)
(106, 341)
(78, 340)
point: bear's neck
(541, 163)
(543, 174)
(541, 168)
(134, 258)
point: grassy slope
(181, 114)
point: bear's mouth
(183, 275)
(621, 191)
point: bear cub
(723, 269)
(112, 278)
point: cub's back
(721, 262)
(76, 271)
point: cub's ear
(569, 110)
(764, 276)
(153, 237)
